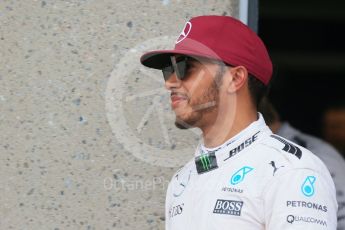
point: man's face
(195, 98)
(334, 125)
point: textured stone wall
(87, 135)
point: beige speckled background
(67, 159)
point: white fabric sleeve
(336, 165)
(300, 199)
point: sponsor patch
(304, 204)
(307, 219)
(176, 210)
(230, 189)
(242, 146)
(228, 207)
(239, 175)
(308, 186)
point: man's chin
(182, 124)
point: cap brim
(159, 59)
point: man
(243, 176)
(334, 125)
(327, 153)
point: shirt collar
(207, 159)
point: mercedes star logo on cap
(187, 28)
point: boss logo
(229, 207)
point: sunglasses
(179, 66)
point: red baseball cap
(221, 38)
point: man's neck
(275, 126)
(225, 127)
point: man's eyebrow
(193, 61)
(200, 60)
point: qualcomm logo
(308, 186)
(238, 176)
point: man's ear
(238, 76)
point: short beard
(206, 104)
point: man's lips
(176, 98)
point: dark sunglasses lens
(177, 66)
(181, 69)
(167, 72)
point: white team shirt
(254, 181)
(329, 155)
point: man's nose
(172, 82)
